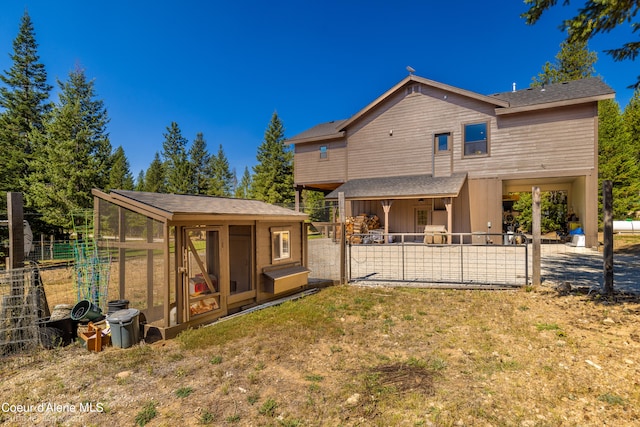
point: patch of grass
(215, 360)
(207, 417)
(146, 414)
(547, 326)
(233, 419)
(268, 408)
(253, 398)
(611, 399)
(183, 392)
(314, 378)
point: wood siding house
(186, 260)
(434, 154)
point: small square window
(323, 151)
(281, 245)
(442, 142)
(476, 139)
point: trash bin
(125, 327)
(116, 305)
(85, 309)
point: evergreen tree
(314, 205)
(139, 186)
(154, 178)
(617, 159)
(273, 175)
(574, 61)
(199, 158)
(119, 175)
(631, 118)
(23, 104)
(177, 168)
(596, 16)
(221, 179)
(71, 153)
(242, 189)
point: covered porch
(404, 204)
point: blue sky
(223, 67)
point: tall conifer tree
(177, 168)
(273, 175)
(23, 103)
(71, 154)
(154, 177)
(244, 186)
(120, 176)
(199, 158)
(221, 179)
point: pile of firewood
(360, 224)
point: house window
(323, 152)
(281, 246)
(441, 142)
(476, 140)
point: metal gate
(469, 259)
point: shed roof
(398, 187)
(186, 206)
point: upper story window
(280, 243)
(442, 142)
(324, 152)
(476, 139)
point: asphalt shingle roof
(196, 204)
(401, 186)
(566, 91)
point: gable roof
(558, 94)
(186, 206)
(554, 95)
(398, 187)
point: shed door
(240, 265)
(202, 270)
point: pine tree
(314, 205)
(243, 187)
(221, 179)
(199, 158)
(273, 175)
(617, 159)
(71, 153)
(120, 175)
(573, 62)
(139, 186)
(154, 178)
(177, 168)
(23, 103)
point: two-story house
(429, 153)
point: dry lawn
(358, 356)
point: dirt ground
(358, 356)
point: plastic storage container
(125, 327)
(116, 305)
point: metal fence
(19, 298)
(44, 250)
(470, 259)
(324, 256)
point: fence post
(607, 219)
(536, 229)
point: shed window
(323, 152)
(441, 142)
(476, 139)
(281, 246)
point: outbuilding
(187, 260)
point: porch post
(386, 206)
(448, 205)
